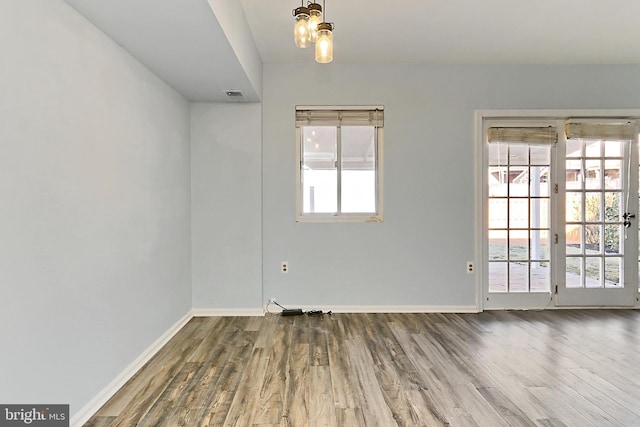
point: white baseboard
(83, 415)
(214, 312)
(392, 308)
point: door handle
(627, 219)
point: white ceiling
(184, 43)
(460, 31)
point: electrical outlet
(284, 267)
(470, 269)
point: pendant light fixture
(315, 18)
(310, 27)
(324, 44)
(301, 36)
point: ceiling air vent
(234, 95)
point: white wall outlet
(470, 267)
(284, 267)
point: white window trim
(343, 217)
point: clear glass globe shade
(314, 19)
(324, 47)
(301, 31)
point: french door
(560, 199)
(598, 248)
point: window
(340, 163)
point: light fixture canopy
(301, 36)
(324, 43)
(315, 18)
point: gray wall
(417, 256)
(226, 206)
(94, 216)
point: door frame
(481, 255)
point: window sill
(338, 218)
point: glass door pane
(519, 218)
(593, 209)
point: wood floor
(550, 368)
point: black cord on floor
(313, 313)
(284, 308)
(316, 313)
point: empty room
(345, 213)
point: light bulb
(324, 44)
(301, 28)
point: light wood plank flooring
(550, 368)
